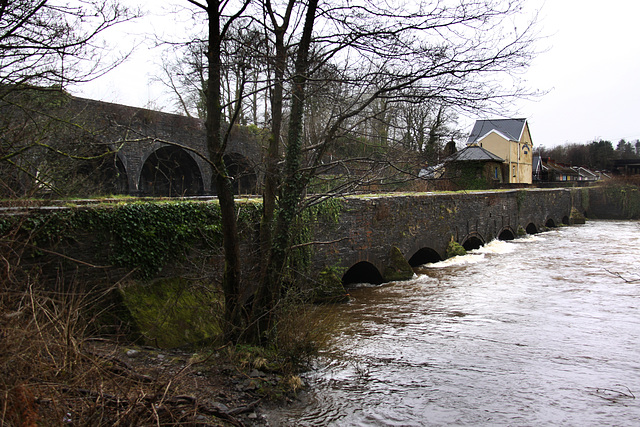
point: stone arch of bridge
(531, 228)
(170, 171)
(506, 233)
(122, 181)
(423, 256)
(362, 272)
(566, 220)
(550, 223)
(472, 241)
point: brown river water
(540, 331)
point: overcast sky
(590, 69)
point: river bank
(109, 383)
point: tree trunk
(273, 151)
(231, 276)
(292, 190)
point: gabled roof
(559, 167)
(473, 153)
(510, 129)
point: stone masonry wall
(369, 227)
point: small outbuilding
(474, 167)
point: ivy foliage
(174, 312)
(626, 198)
(146, 236)
(327, 212)
(139, 236)
(470, 176)
(521, 196)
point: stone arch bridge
(371, 230)
(420, 226)
(162, 154)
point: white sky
(590, 67)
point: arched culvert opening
(171, 171)
(244, 177)
(550, 223)
(531, 228)
(473, 242)
(424, 256)
(506, 234)
(362, 272)
(565, 219)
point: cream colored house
(509, 139)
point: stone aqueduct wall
(137, 133)
(421, 226)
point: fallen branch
(613, 395)
(175, 402)
(613, 273)
(121, 368)
(69, 258)
(318, 243)
(242, 409)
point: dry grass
(58, 368)
(54, 370)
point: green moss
(329, 287)
(585, 198)
(174, 312)
(398, 268)
(521, 231)
(521, 195)
(576, 217)
(623, 200)
(455, 249)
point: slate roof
(511, 129)
(473, 153)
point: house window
(495, 173)
(513, 170)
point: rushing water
(542, 330)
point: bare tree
(44, 43)
(340, 72)
(383, 55)
(44, 48)
(220, 20)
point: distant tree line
(596, 155)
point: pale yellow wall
(525, 161)
(513, 154)
(496, 144)
(526, 135)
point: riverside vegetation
(137, 339)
